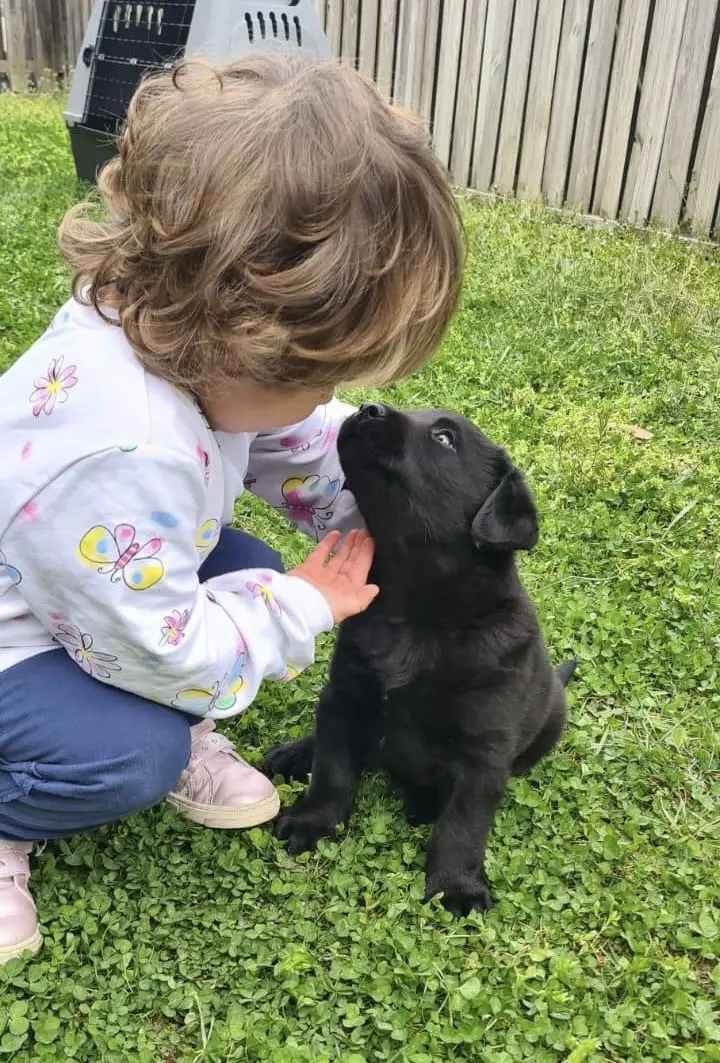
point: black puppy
(444, 682)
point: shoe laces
(206, 742)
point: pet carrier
(124, 41)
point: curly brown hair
(275, 220)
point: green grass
(166, 942)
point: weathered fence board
(386, 45)
(511, 122)
(490, 92)
(606, 106)
(654, 105)
(447, 78)
(369, 14)
(539, 101)
(683, 111)
(430, 49)
(624, 80)
(333, 25)
(350, 29)
(410, 49)
(704, 189)
(77, 14)
(14, 52)
(565, 100)
(468, 80)
(592, 103)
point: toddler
(270, 232)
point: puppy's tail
(565, 671)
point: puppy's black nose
(373, 409)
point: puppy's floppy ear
(508, 519)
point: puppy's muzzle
(373, 410)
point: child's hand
(342, 577)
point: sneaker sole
(227, 817)
(13, 952)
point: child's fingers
(341, 555)
(367, 596)
(349, 550)
(318, 557)
(371, 592)
(366, 553)
(360, 558)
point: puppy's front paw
(291, 761)
(303, 829)
(460, 892)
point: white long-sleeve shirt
(113, 490)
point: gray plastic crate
(123, 41)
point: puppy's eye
(444, 437)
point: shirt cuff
(314, 605)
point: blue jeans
(75, 753)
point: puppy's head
(433, 479)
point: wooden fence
(610, 107)
(40, 40)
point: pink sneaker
(218, 789)
(18, 919)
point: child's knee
(147, 774)
(137, 768)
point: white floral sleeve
(109, 566)
(297, 470)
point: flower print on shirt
(309, 501)
(173, 630)
(204, 458)
(118, 554)
(80, 644)
(9, 575)
(262, 591)
(297, 444)
(53, 388)
(29, 512)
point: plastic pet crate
(124, 41)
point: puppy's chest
(400, 656)
(408, 666)
(420, 676)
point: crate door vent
(271, 26)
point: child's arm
(108, 558)
(297, 470)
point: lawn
(165, 942)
